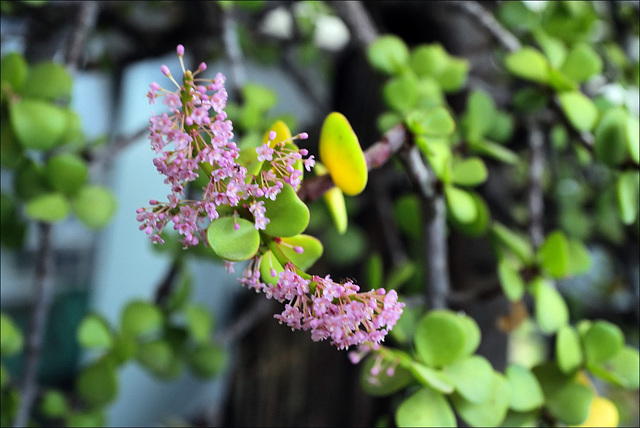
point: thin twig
(357, 19)
(489, 22)
(535, 195)
(244, 322)
(434, 209)
(43, 301)
(87, 14)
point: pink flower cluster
(196, 136)
(329, 309)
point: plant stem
(86, 19)
(43, 301)
(535, 197)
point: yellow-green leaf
(341, 153)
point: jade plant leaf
(579, 109)
(140, 318)
(285, 250)
(441, 338)
(425, 408)
(526, 393)
(612, 137)
(207, 360)
(231, 244)
(199, 322)
(66, 172)
(468, 172)
(48, 207)
(334, 200)
(48, 80)
(510, 279)
(460, 204)
(389, 54)
(432, 378)
(472, 377)
(489, 413)
(551, 309)
(554, 254)
(401, 92)
(159, 358)
(581, 63)
(621, 369)
(288, 215)
(97, 383)
(568, 349)
(341, 154)
(11, 340)
(435, 122)
(529, 64)
(14, 71)
(94, 205)
(38, 125)
(267, 263)
(381, 384)
(602, 341)
(94, 332)
(565, 398)
(627, 196)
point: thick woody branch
(86, 20)
(43, 301)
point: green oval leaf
(579, 109)
(140, 318)
(526, 393)
(460, 204)
(633, 138)
(199, 322)
(311, 251)
(38, 125)
(435, 122)
(49, 207)
(341, 154)
(581, 63)
(381, 384)
(468, 172)
(480, 115)
(603, 340)
(401, 93)
(551, 309)
(429, 60)
(94, 206)
(13, 70)
(510, 280)
(622, 369)
(568, 349)
(454, 75)
(611, 137)
(441, 338)
(48, 80)
(472, 377)
(66, 172)
(554, 254)
(268, 261)
(489, 413)
(231, 244)
(11, 340)
(94, 332)
(516, 243)
(158, 357)
(425, 408)
(207, 360)
(494, 150)
(440, 381)
(529, 64)
(388, 54)
(54, 404)
(288, 215)
(627, 196)
(97, 383)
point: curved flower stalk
(250, 211)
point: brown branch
(357, 19)
(86, 20)
(489, 22)
(43, 301)
(535, 197)
(245, 322)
